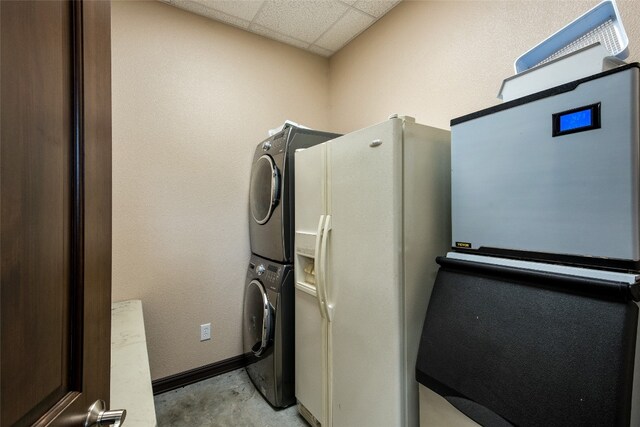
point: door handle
(323, 267)
(99, 416)
(318, 266)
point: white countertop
(130, 375)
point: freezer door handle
(323, 269)
(317, 266)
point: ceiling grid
(319, 26)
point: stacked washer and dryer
(268, 318)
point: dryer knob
(260, 270)
(266, 146)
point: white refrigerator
(372, 213)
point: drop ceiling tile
(320, 51)
(243, 9)
(319, 26)
(201, 9)
(350, 25)
(303, 20)
(375, 7)
(277, 36)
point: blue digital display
(579, 119)
(576, 120)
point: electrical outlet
(205, 332)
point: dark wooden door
(55, 210)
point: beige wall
(437, 60)
(191, 100)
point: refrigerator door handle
(317, 266)
(323, 268)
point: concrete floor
(226, 400)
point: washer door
(258, 319)
(263, 193)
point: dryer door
(258, 319)
(264, 190)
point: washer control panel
(271, 275)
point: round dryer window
(263, 193)
(258, 320)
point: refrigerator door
(363, 276)
(310, 328)
(309, 372)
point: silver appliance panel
(517, 187)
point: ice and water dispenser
(533, 318)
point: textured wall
(437, 60)
(191, 100)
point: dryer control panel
(275, 144)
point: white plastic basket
(602, 24)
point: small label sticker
(465, 245)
